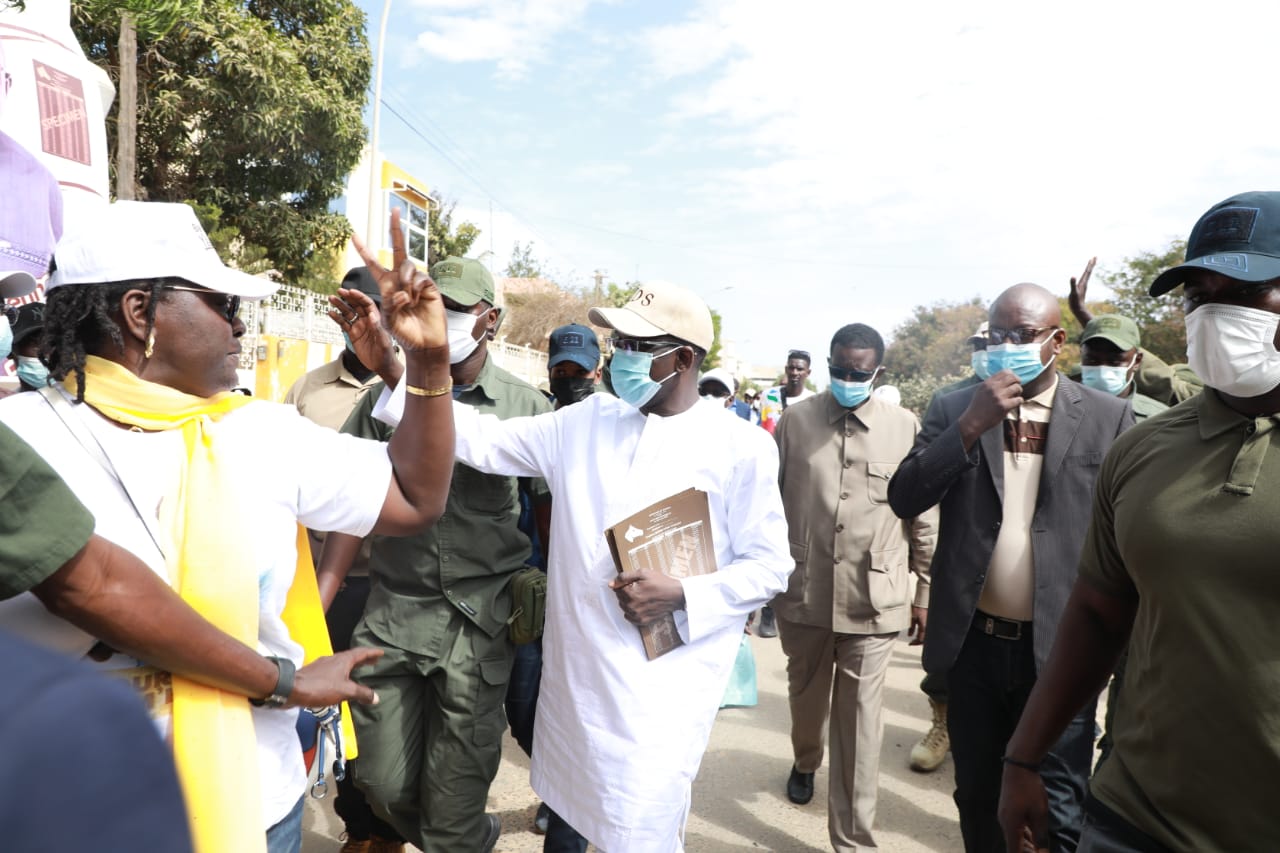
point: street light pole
(375, 183)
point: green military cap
(463, 280)
(1121, 331)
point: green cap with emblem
(1115, 328)
(463, 280)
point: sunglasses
(849, 375)
(645, 345)
(1024, 335)
(229, 307)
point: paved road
(739, 802)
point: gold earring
(151, 345)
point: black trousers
(988, 686)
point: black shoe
(768, 625)
(491, 837)
(542, 819)
(799, 787)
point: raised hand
(358, 316)
(1075, 297)
(412, 308)
(1000, 394)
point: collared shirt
(1184, 520)
(1144, 406)
(1010, 584)
(852, 554)
(326, 396)
(468, 556)
(620, 737)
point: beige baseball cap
(657, 309)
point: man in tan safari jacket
(850, 594)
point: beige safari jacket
(852, 553)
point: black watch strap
(284, 685)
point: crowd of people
(381, 540)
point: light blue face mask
(32, 371)
(978, 361)
(1106, 378)
(346, 341)
(1022, 359)
(6, 337)
(629, 373)
(850, 394)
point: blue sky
(812, 163)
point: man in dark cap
(1179, 563)
(573, 364)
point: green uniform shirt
(42, 524)
(468, 556)
(1185, 520)
(1144, 407)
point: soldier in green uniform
(439, 605)
(1111, 357)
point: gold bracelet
(429, 392)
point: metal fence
(304, 315)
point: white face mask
(1233, 348)
(461, 340)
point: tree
(713, 354)
(253, 106)
(151, 19)
(1161, 319)
(933, 343)
(446, 239)
(523, 264)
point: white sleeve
(347, 495)
(515, 447)
(758, 539)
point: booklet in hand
(672, 536)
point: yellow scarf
(212, 569)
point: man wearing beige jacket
(849, 596)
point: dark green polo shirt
(468, 556)
(42, 524)
(1186, 519)
(1144, 407)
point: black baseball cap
(359, 278)
(1239, 238)
(574, 343)
(30, 321)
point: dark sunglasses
(1023, 335)
(849, 375)
(645, 345)
(229, 307)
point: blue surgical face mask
(629, 373)
(850, 394)
(32, 371)
(346, 341)
(1106, 378)
(979, 363)
(6, 337)
(1022, 359)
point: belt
(998, 626)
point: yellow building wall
(398, 181)
(287, 360)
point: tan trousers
(843, 674)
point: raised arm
(421, 450)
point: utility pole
(599, 277)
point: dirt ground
(739, 801)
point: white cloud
(515, 34)
(937, 150)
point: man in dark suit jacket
(1012, 461)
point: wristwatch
(279, 695)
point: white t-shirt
(292, 471)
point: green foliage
(152, 19)
(252, 106)
(618, 295)
(447, 240)
(916, 391)
(713, 354)
(1159, 318)
(523, 264)
(932, 344)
